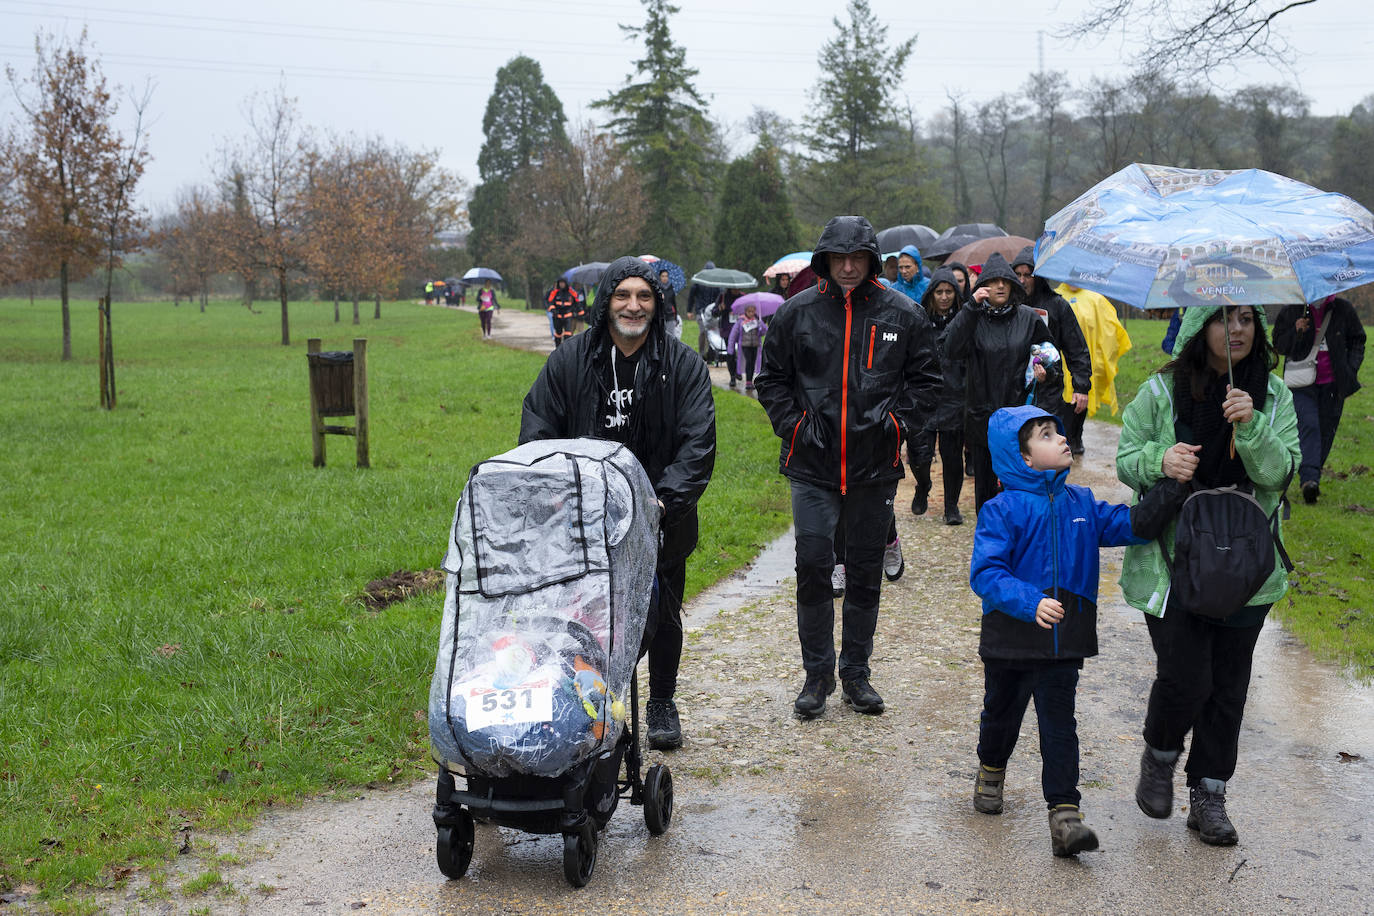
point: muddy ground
(866, 814)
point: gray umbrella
(721, 278)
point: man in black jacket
(849, 371)
(1068, 338)
(626, 379)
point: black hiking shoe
(1310, 492)
(665, 729)
(861, 697)
(953, 516)
(920, 502)
(1154, 792)
(1207, 815)
(1068, 834)
(987, 789)
(810, 702)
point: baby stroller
(550, 569)
(713, 344)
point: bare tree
(1047, 91)
(584, 201)
(269, 171)
(11, 211)
(991, 143)
(190, 241)
(1193, 38)
(1108, 110)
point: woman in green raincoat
(1219, 388)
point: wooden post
(360, 397)
(104, 376)
(316, 421)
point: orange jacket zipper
(792, 446)
(872, 333)
(844, 398)
(896, 459)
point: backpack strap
(1283, 508)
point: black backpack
(1224, 547)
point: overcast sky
(419, 71)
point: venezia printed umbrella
(1162, 237)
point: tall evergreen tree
(755, 225)
(660, 118)
(523, 119)
(864, 160)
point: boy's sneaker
(810, 703)
(861, 697)
(893, 562)
(987, 789)
(1311, 491)
(837, 581)
(665, 729)
(1068, 834)
(1207, 815)
(1154, 791)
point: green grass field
(184, 639)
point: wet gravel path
(856, 813)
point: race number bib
(488, 706)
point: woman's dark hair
(1193, 358)
(777, 286)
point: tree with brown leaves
(76, 173)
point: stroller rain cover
(550, 567)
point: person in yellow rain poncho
(1107, 341)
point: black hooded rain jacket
(847, 377)
(673, 426)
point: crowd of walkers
(993, 371)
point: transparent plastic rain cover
(550, 569)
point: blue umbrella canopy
(676, 275)
(1162, 237)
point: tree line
(286, 211)
(655, 177)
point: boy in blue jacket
(1035, 565)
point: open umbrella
(481, 273)
(1162, 237)
(677, 277)
(722, 278)
(790, 264)
(765, 303)
(895, 238)
(978, 230)
(1008, 246)
(586, 274)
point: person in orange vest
(562, 311)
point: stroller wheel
(454, 847)
(658, 799)
(579, 854)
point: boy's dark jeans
(1007, 688)
(866, 512)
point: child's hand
(1048, 612)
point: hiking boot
(665, 729)
(1310, 491)
(1154, 791)
(861, 697)
(953, 517)
(837, 581)
(893, 562)
(748, 386)
(987, 789)
(810, 702)
(920, 502)
(1207, 815)
(1068, 834)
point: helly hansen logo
(889, 335)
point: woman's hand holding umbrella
(1238, 407)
